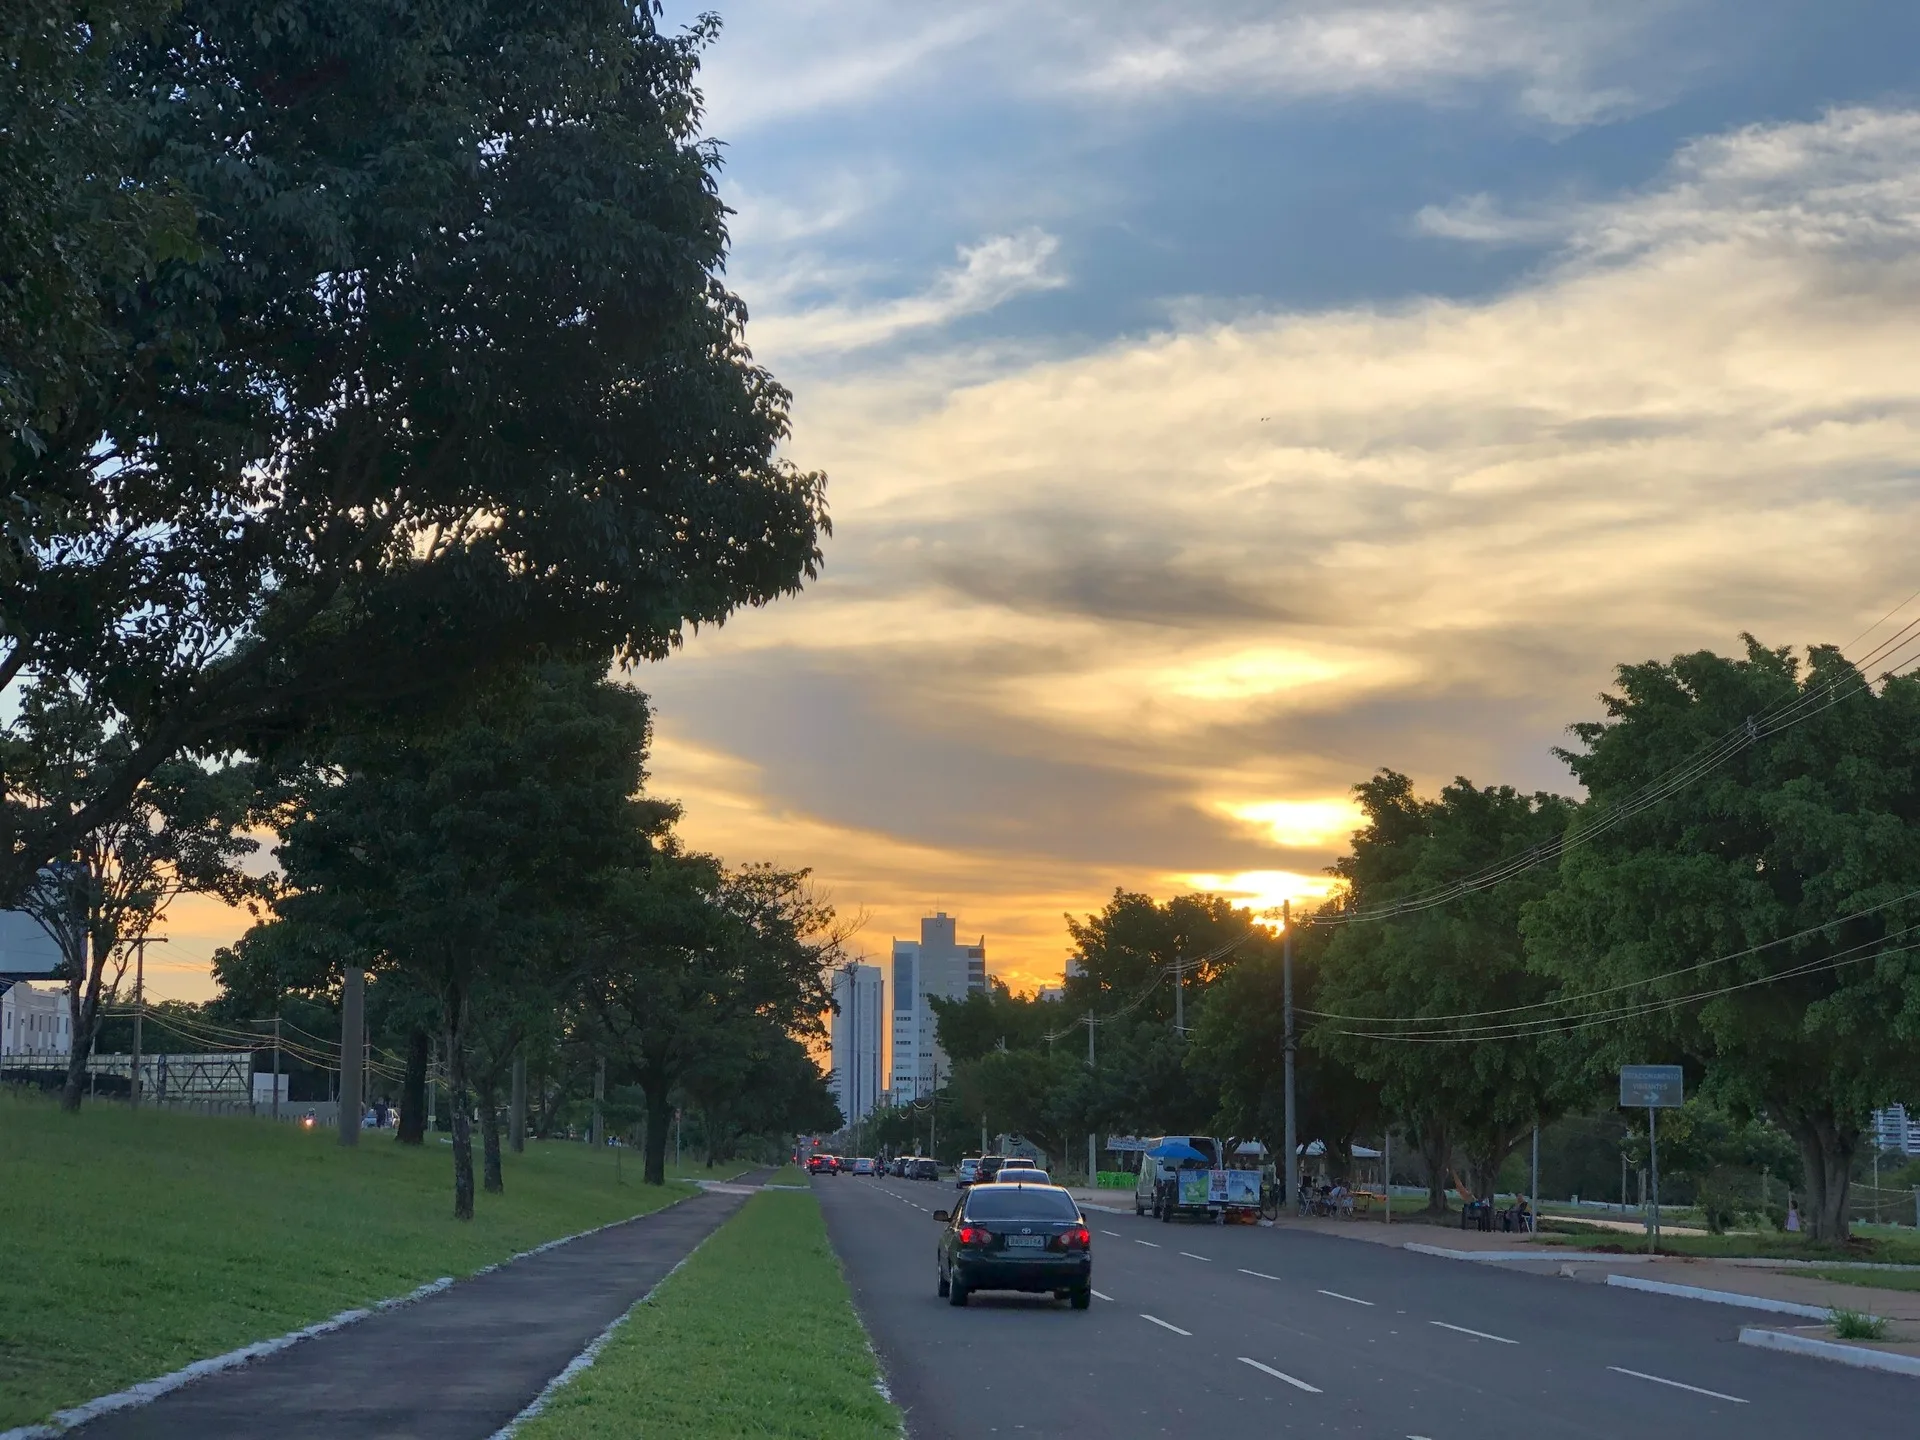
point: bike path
(455, 1366)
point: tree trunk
(1826, 1156)
(659, 1122)
(413, 1092)
(462, 1104)
(83, 1016)
(1436, 1150)
(490, 1137)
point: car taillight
(974, 1235)
(1078, 1238)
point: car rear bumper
(1064, 1272)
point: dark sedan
(1016, 1237)
(922, 1169)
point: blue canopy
(1175, 1150)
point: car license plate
(1026, 1242)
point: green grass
(1876, 1247)
(136, 1243)
(788, 1175)
(754, 1337)
(1852, 1325)
(1872, 1279)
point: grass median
(136, 1243)
(755, 1336)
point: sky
(1223, 401)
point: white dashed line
(1477, 1334)
(1165, 1326)
(1148, 1243)
(1114, 1233)
(1258, 1274)
(1350, 1299)
(1282, 1375)
(1641, 1375)
(1098, 1296)
(1191, 1256)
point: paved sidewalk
(456, 1366)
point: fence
(216, 1083)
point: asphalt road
(1240, 1330)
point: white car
(866, 1165)
(969, 1170)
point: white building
(936, 964)
(1896, 1132)
(34, 1022)
(859, 1032)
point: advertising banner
(1194, 1185)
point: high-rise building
(936, 964)
(1896, 1132)
(859, 1031)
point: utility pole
(597, 1129)
(1386, 1175)
(1535, 1223)
(517, 1121)
(1092, 1156)
(139, 1011)
(276, 1064)
(933, 1113)
(1653, 1164)
(353, 1025)
(1290, 1141)
(1179, 994)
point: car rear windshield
(1021, 1203)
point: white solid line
(1351, 1300)
(1098, 1296)
(1191, 1256)
(1164, 1326)
(1148, 1243)
(1258, 1274)
(1282, 1375)
(1480, 1334)
(1641, 1375)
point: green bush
(1853, 1325)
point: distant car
(969, 1171)
(866, 1165)
(818, 1164)
(1022, 1175)
(922, 1168)
(897, 1166)
(1015, 1237)
(1018, 1162)
(989, 1167)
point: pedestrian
(1793, 1217)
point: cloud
(1125, 617)
(988, 275)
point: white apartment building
(1896, 1132)
(34, 1022)
(859, 1032)
(936, 964)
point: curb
(1854, 1355)
(1722, 1297)
(148, 1391)
(1491, 1257)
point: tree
(993, 1019)
(1390, 986)
(692, 962)
(1751, 924)
(444, 377)
(1127, 954)
(463, 855)
(183, 830)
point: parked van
(1157, 1190)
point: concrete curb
(1722, 1297)
(147, 1391)
(1854, 1355)
(1492, 1257)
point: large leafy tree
(462, 854)
(1754, 924)
(1391, 986)
(1125, 956)
(183, 830)
(444, 374)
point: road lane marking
(1165, 1326)
(1478, 1334)
(1098, 1296)
(1191, 1256)
(1258, 1274)
(1282, 1375)
(1351, 1300)
(1642, 1375)
(1114, 1233)
(1148, 1243)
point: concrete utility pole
(353, 1025)
(1386, 1176)
(1653, 1164)
(517, 1120)
(596, 1128)
(276, 1066)
(139, 1011)
(933, 1113)
(1179, 994)
(1290, 1141)
(1092, 1157)
(1535, 1223)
